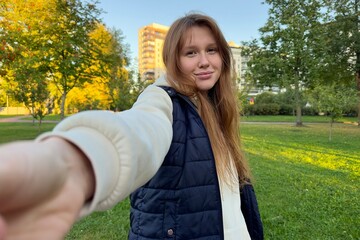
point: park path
(12, 119)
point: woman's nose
(203, 60)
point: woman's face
(200, 58)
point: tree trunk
(39, 125)
(33, 114)
(298, 105)
(62, 106)
(331, 128)
(358, 95)
(357, 75)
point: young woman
(176, 153)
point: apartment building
(240, 64)
(151, 39)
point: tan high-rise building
(240, 63)
(151, 40)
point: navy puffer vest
(182, 201)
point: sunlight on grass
(305, 153)
(323, 158)
(319, 152)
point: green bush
(247, 110)
(266, 109)
(309, 111)
(352, 111)
(265, 98)
(286, 109)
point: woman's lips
(203, 75)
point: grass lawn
(22, 131)
(307, 186)
(52, 117)
(8, 116)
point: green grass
(53, 117)
(307, 186)
(111, 224)
(8, 116)
(22, 131)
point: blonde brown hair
(218, 108)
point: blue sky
(238, 19)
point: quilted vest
(182, 201)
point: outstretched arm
(90, 161)
(37, 179)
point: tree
(61, 44)
(68, 49)
(65, 42)
(286, 55)
(22, 64)
(122, 88)
(112, 62)
(87, 97)
(333, 100)
(112, 81)
(94, 94)
(128, 92)
(33, 92)
(343, 42)
(56, 34)
(31, 83)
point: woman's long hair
(218, 107)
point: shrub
(286, 109)
(309, 111)
(351, 111)
(265, 98)
(247, 110)
(266, 109)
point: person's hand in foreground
(42, 188)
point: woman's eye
(212, 50)
(190, 53)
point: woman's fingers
(29, 172)
(50, 218)
(42, 188)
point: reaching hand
(42, 188)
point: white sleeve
(125, 149)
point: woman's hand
(42, 188)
